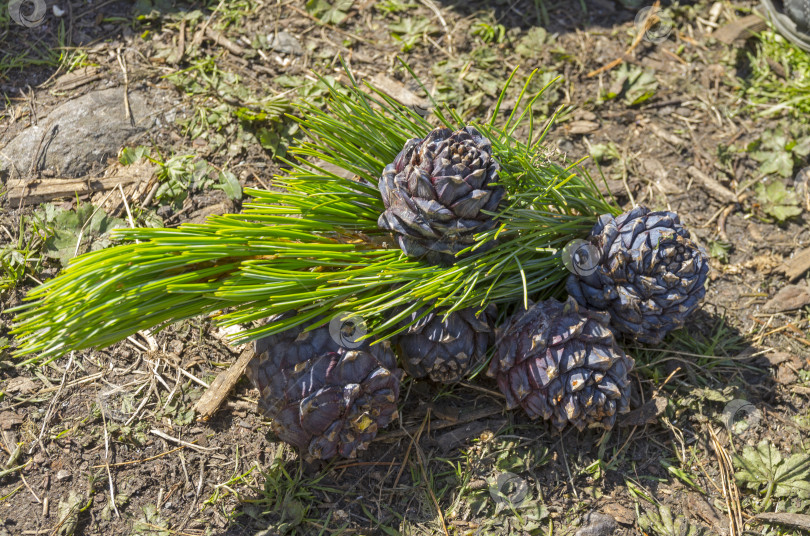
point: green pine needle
(315, 247)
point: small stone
(63, 474)
(285, 43)
(176, 347)
(78, 134)
(597, 524)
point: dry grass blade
(730, 492)
(192, 446)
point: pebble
(63, 474)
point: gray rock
(285, 44)
(78, 134)
(63, 474)
(596, 524)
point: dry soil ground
(681, 124)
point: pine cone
(650, 276)
(561, 362)
(436, 191)
(323, 398)
(446, 350)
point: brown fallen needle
(212, 398)
(649, 22)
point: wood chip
(212, 398)
(76, 78)
(712, 186)
(46, 189)
(794, 521)
(796, 267)
(226, 43)
(740, 29)
(582, 127)
(788, 298)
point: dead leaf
(9, 419)
(702, 510)
(399, 92)
(796, 267)
(785, 375)
(620, 513)
(788, 298)
(741, 28)
(776, 358)
(20, 385)
(646, 414)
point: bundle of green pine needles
(314, 246)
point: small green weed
(780, 151)
(23, 256)
(719, 249)
(410, 30)
(151, 523)
(489, 31)
(228, 116)
(333, 12)
(659, 521)
(285, 501)
(76, 231)
(765, 470)
(778, 201)
(394, 6)
(780, 76)
(181, 174)
(632, 83)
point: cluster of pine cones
(638, 275)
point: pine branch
(315, 247)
